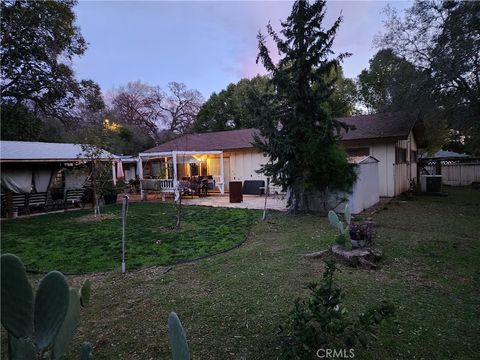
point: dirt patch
(97, 218)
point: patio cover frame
(174, 155)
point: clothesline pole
(124, 225)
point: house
(230, 156)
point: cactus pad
(66, 332)
(17, 297)
(51, 304)
(177, 338)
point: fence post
(124, 225)
(438, 167)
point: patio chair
(37, 200)
(74, 197)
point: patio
(277, 202)
(274, 202)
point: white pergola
(174, 155)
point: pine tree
(297, 130)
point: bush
(321, 321)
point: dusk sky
(206, 45)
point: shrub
(321, 321)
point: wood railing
(158, 185)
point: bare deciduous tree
(180, 107)
(160, 114)
(138, 104)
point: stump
(366, 258)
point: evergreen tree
(297, 129)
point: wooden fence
(461, 174)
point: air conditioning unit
(431, 183)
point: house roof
(11, 151)
(383, 127)
(218, 140)
(394, 126)
(368, 159)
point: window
(400, 155)
(358, 152)
(193, 169)
(413, 156)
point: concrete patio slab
(277, 202)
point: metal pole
(124, 224)
(267, 190)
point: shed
(366, 190)
(31, 166)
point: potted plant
(361, 234)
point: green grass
(73, 242)
(231, 305)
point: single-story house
(230, 156)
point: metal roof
(43, 151)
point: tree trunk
(366, 258)
(96, 206)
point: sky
(204, 44)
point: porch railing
(158, 185)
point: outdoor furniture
(19, 203)
(74, 197)
(253, 187)
(210, 182)
(37, 200)
(236, 195)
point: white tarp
(42, 177)
(25, 178)
(18, 180)
(76, 178)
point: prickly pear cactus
(17, 297)
(347, 214)
(86, 351)
(343, 237)
(85, 292)
(51, 304)
(67, 330)
(177, 338)
(34, 323)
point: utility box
(235, 189)
(431, 183)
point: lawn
(232, 304)
(74, 242)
